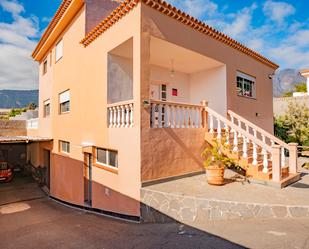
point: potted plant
(215, 163)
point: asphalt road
(40, 222)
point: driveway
(29, 219)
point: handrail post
(204, 114)
(276, 163)
(293, 158)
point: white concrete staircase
(259, 153)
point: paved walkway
(191, 200)
(239, 190)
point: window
(64, 100)
(46, 111)
(107, 157)
(163, 92)
(45, 67)
(64, 147)
(245, 85)
(59, 50)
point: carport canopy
(23, 139)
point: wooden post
(276, 163)
(293, 158)
(204, 114)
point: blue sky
(277, 29)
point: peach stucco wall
(84, 72)
(167, 153)
(144, 153)
(166, 28)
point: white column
(244, 147)
(255, 154)
(211, 123)
(127, 108)
(239, 125)
(110, 116)
(265, 161)
(115, 116)
(235, 142)
(131, 115)
(219, 129)
(282, 157)
(118, 116)
(172, 116)
(227, 134)
(123, 123)
(167, 116)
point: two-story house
(128, 90)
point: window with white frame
(64, 146)
(59, 50)
(45, 67)
(46, 111)
(245, 85)
(107, 157)
(64, 101)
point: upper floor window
(64, 147)
(59, 50)
(46, 111)
(107, 157)
(45, 67)
(64, 101)
(245, 85)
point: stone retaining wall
(13, 128)
(161, 207)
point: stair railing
(268, 138)
(239, 134)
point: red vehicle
(6, 173)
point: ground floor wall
(68, 181)
(171, 152)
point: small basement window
(46, 111)
(64, 147)
(245, 85)
(64, 101)
(107, 157)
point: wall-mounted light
(271, 76)
(172, 73)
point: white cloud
(17, 40)
(11, 6)
(278, 11)
(197, 8)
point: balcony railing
(166, 114)
(120, 115)
(33, 123)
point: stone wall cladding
(162, 207)
(13, 128)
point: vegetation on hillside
(17, 111)
(300, 87)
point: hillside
(17, 98)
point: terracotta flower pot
(215, 175)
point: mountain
(285, 80)
(18, 98)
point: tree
(293, 126)
(299, 87)
(31, 106)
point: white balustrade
(267, 139)
(166, 114)
(254, 154)
(120, 115)
(219, 129)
